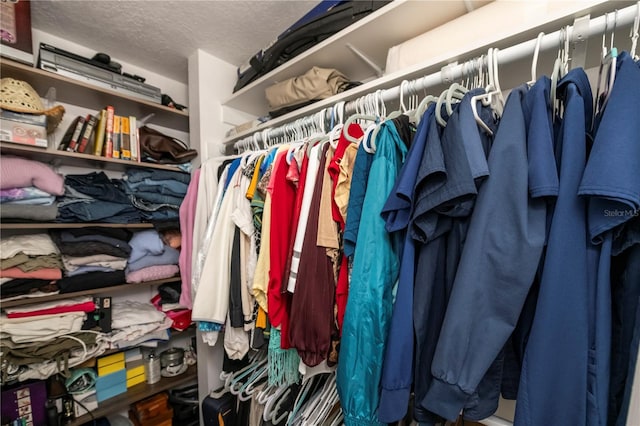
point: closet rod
(617, 18)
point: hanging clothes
(283, 195)
(397, 373)
(211, 303)
(187, 223)
(375, 271)
(611, 181)
(312, 303)
(445, 192)
(553, 385)
(500, 257)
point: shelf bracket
(579, 39)
(379, 72)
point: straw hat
(19, 96)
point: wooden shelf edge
(77, 159)
(58, 296)
(137, 393)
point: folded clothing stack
(28, 190)
(156, 194)
(150, 258)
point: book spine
(100, 128)
(87, 132)
(108, 133)
(116, 136)
(125, 149)
(64, 142)
(133, 138)
(73, 143)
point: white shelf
(89, 96)
(373, 35)
(474, 47)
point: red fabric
(342, 291)
(283, 198)
(40, 274)
(78, 307)
(334, 167)
(296, 214)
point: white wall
(211, 80)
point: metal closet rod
(597, 26)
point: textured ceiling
(160, 35)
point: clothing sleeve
(397, 368)
(497, 267)
(612, 176)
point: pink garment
(151, 273)
(40, 274)
(17, 172)
(78, 307)
(187, 220)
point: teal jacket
(374, 274)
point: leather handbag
(161, 148)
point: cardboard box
(111, 385)
(110, 364)
(89, 401)
(24, 133)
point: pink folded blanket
(17, 172)
(151, 273)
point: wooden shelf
(63, 158)
(49, 225)
(89, 96)
(136, 393)
(103, 290)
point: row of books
(104, 134)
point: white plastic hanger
(269, 405)
(441, 121)
(534, 62)
(455, 91)
(560, 69)
(609, 61)
(485, 98)
(634, 36)
(354, 118)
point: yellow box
(140, 378)
(133, 371)
(111, 363)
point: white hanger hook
(534, 64)
(403, 108)
(634, 34)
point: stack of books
(104, 134)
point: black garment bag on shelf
(323, 23)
